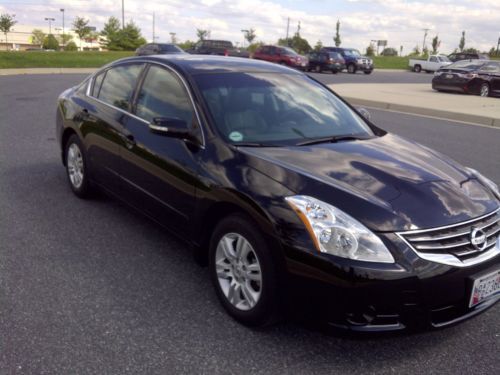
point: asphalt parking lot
(92, 287)
(377, 76)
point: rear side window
(119, 84)
(163, 95)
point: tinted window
(119, 84)
(169, 48)
(163, 95)
(97, 84)
(276, 108)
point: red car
(281, 55)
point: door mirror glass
(172, 127)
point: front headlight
(485, 181)
(335, 232)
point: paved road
(91, 287)
(378, 76)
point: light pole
(498, 45)
(425, 37)
(63, 41)
(50, 23)
(123, 14)
(244, 31)
(172, 37)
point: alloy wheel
(485, 90)
(75, 165)
(238, 271)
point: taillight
(226, 53)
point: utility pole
(425, 37)
(287, 29)
(172, 37)
(498, 45)
(62, 10)
(50, 23)
(154, 36)
(123, 14)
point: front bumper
(453, 84)
(364, 67)
(412, 293)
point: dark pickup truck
(217, 47)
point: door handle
(82, 115)
(129, 140)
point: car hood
(388, 183)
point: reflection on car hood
(388, 183)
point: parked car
(353, 59)
(217, 47)
(431, 64)
(286, 191)
(326, 61)
(467, 56)
(478, 77)
(281, 55)
(158, 49)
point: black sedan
(289, 195)
(478, 77)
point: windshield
(443, 59)
(466, 64)
(268, 108)
(352, 52)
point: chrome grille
(455, 240)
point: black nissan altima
(286, 192)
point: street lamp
(172, 37)
(50, 23)
(62, 11)
(244, 31)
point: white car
(433, 63)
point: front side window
(169, 48)
(163, 95)
(276, 108)
(118, 85)
(433, 59)
(97, 84)
(352, 52)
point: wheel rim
(485, 90)
(351, 69)
(75, 165)
(238, 271)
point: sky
(400, 22)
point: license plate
(449, 76)
(485, 287)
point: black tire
(351, 68)
(334, 71)
(84, 188)
(417, 68)
(484, 90)
(368, 72)
(318, 69)
(266, 310)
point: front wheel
(76, 167)
(318, 69)
(243, 272)
(368, 72)
(484, 90)
(351, 68)
(417, 69)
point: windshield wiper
(333, 139)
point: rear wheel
(484, 90)
(417, 68)
(243, 272)
(367, 72)
(76, 167)
(351, 68)
(318, 69)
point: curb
(447, 115)
(22, 71)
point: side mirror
(365, 113)
(170, 127)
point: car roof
(202, 64)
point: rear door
(159, 172)
(110, 97)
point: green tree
(416, 51)
(201, 34)
(112, 34)
(6, 23)
(66, 38)
(318, 46)
(425, 52)
(81, 27)
(38, 36)
(461, 45)
(50, 42)
(435, 45)
(249, 36)
(389, 51)
(71, 46)
(188, 44)
(370, 50)
(337, 39)
(131, 37)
